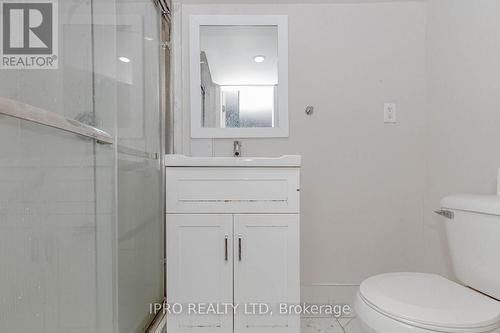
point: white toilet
(427, 303)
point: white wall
(464, 115)
(369, 190)
(362, 181)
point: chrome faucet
(237, 148)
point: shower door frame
(166, 130)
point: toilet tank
(474, 240)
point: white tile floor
(341, 294)
(330, 325)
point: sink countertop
(174, 160)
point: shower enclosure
(81, 174)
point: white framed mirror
(239, 76)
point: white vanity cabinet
(233, 239)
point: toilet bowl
(428, 303)
(424, 303)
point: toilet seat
(426, 303)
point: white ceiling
(230, 51)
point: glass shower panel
(81, 242)
(48, 230)
(105, 111)
(140, 185)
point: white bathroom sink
(174, 160)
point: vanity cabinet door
(199, 270)
(266, 270)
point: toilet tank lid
(486, 204)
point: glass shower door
(49, 256)
(140, 172)
(81, 220)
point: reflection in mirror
(239, 76)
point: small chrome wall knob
(309, 110)
(236, 148)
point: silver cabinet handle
(239, 248)
(225, 248)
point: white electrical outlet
(390, 113)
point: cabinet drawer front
(232, 190)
